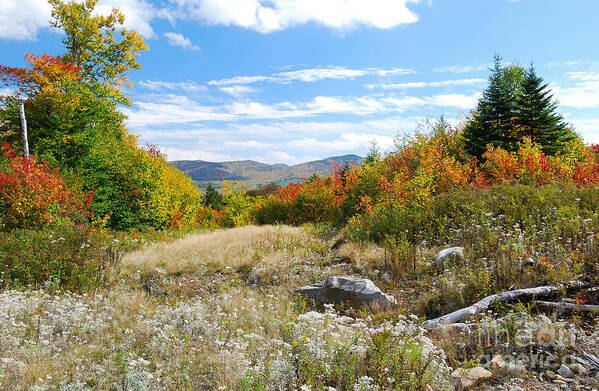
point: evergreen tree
(373, 152)
(536, 115)
(213, 198)
(493, 119)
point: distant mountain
(252, 173)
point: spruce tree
(373, 152)
(213, 198)
(537, 117)
(493, 119)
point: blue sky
(287, 81)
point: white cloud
(312, 75)
(345, 143)
(23, 19)
(462, 68)
(267, 16)
(422, 84)
(588, 129)
(177, 109)
(309, 75)
(274, 157)
(238, 91)
(172, 109)
(241, 80)
(173, 154)
(584, 93)
(189, 86)
(138, 14)
(180, 40)
(454, 100)
(395, 71)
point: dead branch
(569, 306)
(484, 304)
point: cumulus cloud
(267, 16)
(23, 19)
(583, 92)
(180, 40)
(138, 14)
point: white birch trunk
(24, 127)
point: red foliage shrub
(32, 194)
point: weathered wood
(569, 306)
(591, 359)
(24, 127)
(484, 304)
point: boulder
(360, 292)
(449, 254)
(466, 378)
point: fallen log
(569, 306)
(591, 359)
(484, 304)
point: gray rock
(449, 254)
(565, 371)
(496, 364)
(360, 292)
(578, 368)
(467, 378)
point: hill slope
(252, 173)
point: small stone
(466, 378)
(565, 371)
(496, 363)
(449, 254)
(550, 375)
(578, 368)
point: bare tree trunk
(464, 313)
(24, 127)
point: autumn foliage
(47, 75)
(32, 194)
(418, 170)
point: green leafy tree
(98, 44)
(537, 117)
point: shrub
(33, 195)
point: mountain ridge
(252, 173)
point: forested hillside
(252, 174)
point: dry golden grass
(368, 254)
(234, 248)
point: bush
(136, 188)
(33, 195)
